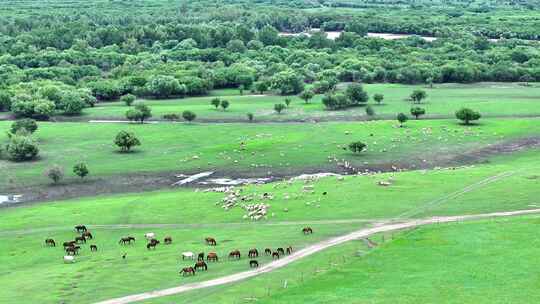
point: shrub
(356, 94)
(418, 95)
(417, 112)
(71, 103)
(402, 118)
(5, 101)
(27, 124)
(369, 111)
(279, 107)
(128, 99)
(335, 101)
(224, 104)
(140, 113)
(81, 170)
(287, 102)
(307, 95)
(378, 98)
(357, 146)
(21, 148)
(126, 140)
(171, 116)
(467, 115)
(215, 102)
(250, 116)
(55, 173)
(189, 116)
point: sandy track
(362, 233)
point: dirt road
(362, 233)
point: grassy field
(269, 149)
(472, 262)
(491, 99)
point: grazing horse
(268, 251)
(167, 240)
(188, 271)
(212, 256)
(69, 244)
(88, 235)
(82, 239)
(275, 255)
(201, 264)
(253, 264)
(235, 254)
(289, 250)
(74, 250)
(50, 242)
(253, 253)
(200, 257)
(281, 251)
(152, 244)
(189, 255)
(125, 240)
(210, 241)
(93, 248)
(307, 230)
(81, 228)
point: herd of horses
(72, 248)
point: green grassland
(490, 99)
(270, 149)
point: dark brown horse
(275, 255)
(81, 239)
(88, 235)
(50, 242)
(210, 241)
(253, 264)
(93, 248)
(73, 250)
(127, 240)
(200, 257)
(235, 254)
(153, 243)
(289, 250)
(167, 240)
(69, 244)
(80, 228)
(281, 251)
(201, 265)
(187, 271)
(212, 256)
(268, 251)
(307, 230)
(253, 253)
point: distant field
(491, 99)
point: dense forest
(61, 56)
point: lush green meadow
(490, 99)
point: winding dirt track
(362, 233)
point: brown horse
(93, 248)
(289, 250)
(212, 256)
(167, 240)
(125, 240)
(68, 244)
(210, 241)
(201, 264)
(88, 235)
(188, 271)
(200, 257)
(153, 243)
(73, 250)
(268, 251)
(275, 255)
(253, 264)
(235, 254)
(81, 239)
(50, 242)
(253, 253)
(81, 228)
(307, 230)
(281, 251)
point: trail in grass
(362, 233)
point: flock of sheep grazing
(72, 248)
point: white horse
(150, 235)
(189, 255)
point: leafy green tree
(357, 146)
(215, 102)
(418, 95)
(21, 148)
(369, 111)
(236, 46)
(335, 101)
(261, 86)
(71, 103)
(43, 109)
(402, 118)
(356, 94)
(81, 170)
(279, 107)
(287, 102)
(128, 99)
(5, 101)
(268, 35)
(126, 140)
(378, 98)
(171, 117)
(307, 95)
(55, 173)
(287, 82)
(224, 104)
(189, 116)
(29, 125)
(165, 86)
(417, 112)
(467, 115)
(141, 112)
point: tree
(402, 118)
(165, 86)
(71, 103)
(261, 86)
(467, 115)
(250, 116)
(369, 111)
(268, 35)
(81, 170)
(189, 116)
(5, 101)
(335, 101)
(287, 102)
(27, 124)
(418, 95)
(140, 113)
(417, 112)
(279, 107)
(357, 146)
(356, 94)
(287, 82)
(126, 140)
(224, 104)
(21, 148)
(215, 102)
(128, 99)
(307, 95)
(378, 98)
(55, 173)
(171, 117)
